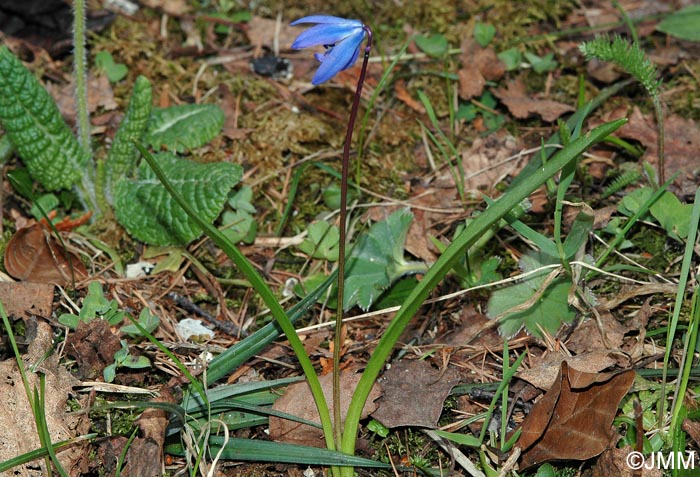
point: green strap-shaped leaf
(149, 213)
(185, 127)
(34, 124)
(123, 154)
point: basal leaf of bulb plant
(184, 127)
(376, 261)
(150, 214)
(549, 311)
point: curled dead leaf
(573, 420)
(34, 255)
(521, 105)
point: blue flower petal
(327, 19)
(340, 57)
(323, 35)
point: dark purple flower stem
(337, 337)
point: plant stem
(86, 187)
(337, 336)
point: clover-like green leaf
(377, 260)
(36, 128)
(150, 214)
(322, 241)
(484, 33)
(115, 71)
(147, 320)
(434, 45)
(184, 127)
(549, 311)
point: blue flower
(341, 37)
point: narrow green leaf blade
(150, 214)
(267, 451)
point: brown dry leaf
(261, 32)
(573, 420)
(100, 95)
(414, 393)
(403, 95)
(145, 455)
(18, 431)
(298, 401)
(34, 255)
(681, 146)
(478, 65)
(516, 98)
(25, 299)
(545, 373)
(613, 463)
(587, 336)
(93, 346)
(489, 160)
(693, 430)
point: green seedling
(433, 45)
(124, 359)
(543, 64)
(484, 33)
(105, 63)
(672, 215)
(484, 107)
(95, 306)
(512, 58)
(238, 224)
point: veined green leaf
(36, 128)
(377, 260)
(184, 127)
(123, 155)
(150, 214)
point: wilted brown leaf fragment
(521, 104)
(573, 420)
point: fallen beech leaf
(478, 65)
(34, 255)
(298, 401)
(521, 105)
(414, 393)
(24, 299)
(545, 373)
(573, 420)
(18, 433)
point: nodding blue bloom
(340, 37)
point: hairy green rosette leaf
(149, 213)
(180, 128)
(123, 154)
(34, 125)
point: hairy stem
(337, 336)
(86, 187)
